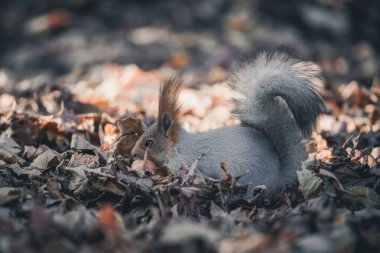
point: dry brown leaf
(46, 160)
(110, 221)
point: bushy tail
(279, 96)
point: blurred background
(42, 40)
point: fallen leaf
(110, 221)
(310, 184)
(9, 144)
(46, 160)
(366, 195)
(79, 142)
(54, 188)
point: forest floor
(77, 79)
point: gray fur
(279, 105)
(256, 161)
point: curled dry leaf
(9, 149)
(78, 178)
(128, 124)
(24, 171)
(310, 184)
(228, 181)
(131, 129)
(31, 152)
(46, 160)
(79, 142)
(10, 157)
(54, 188)
(144, 165)
(78, 158)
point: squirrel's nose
(134, 153)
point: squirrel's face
(160, 138)
(155, 143)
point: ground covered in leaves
(69, 118)
(67, 183)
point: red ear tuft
(168, 104)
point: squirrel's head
(160, 137)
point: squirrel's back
(246, 151)
(278, 105)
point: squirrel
(279, 105)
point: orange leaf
(109, 221)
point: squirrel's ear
(166, 123)
(169, 108)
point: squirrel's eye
(148, 143)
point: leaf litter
(67, 182)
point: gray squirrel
(278, 106)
